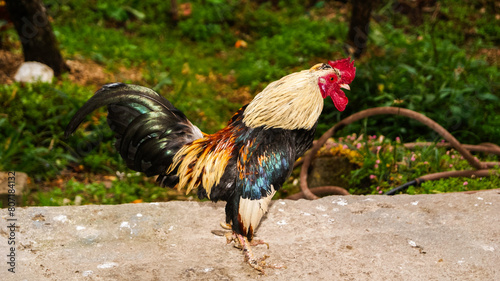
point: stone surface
(422, 237)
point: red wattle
(339, 100)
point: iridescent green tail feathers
(149, 130)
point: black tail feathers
(148, 128)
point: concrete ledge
(422, 237)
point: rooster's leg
(241, 242)
(247, 252)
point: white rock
(32, 71)
(78, 200)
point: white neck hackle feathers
(293, 102)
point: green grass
(455, 185)
(131, 187)
(436, 69)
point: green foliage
(455, 185)
(30, 129)
(297, 42)
(431, 69)
(386, 164)
(130, 188)
(209, 20)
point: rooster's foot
(225, 233)
(245, 245)
(226, 225)
(256, 242)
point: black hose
(403, 187)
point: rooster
(243, 164)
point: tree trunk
(35, 33)
(359, 26)
(174, 11)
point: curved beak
(345, 86)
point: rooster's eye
(331, 78)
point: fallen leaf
(241, 44)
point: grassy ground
(446, 68)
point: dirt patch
(491, 55)
(87, 72)
(83, 72)
(225, 85)
(128, 74)
(9, 63)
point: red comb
(347, 70)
